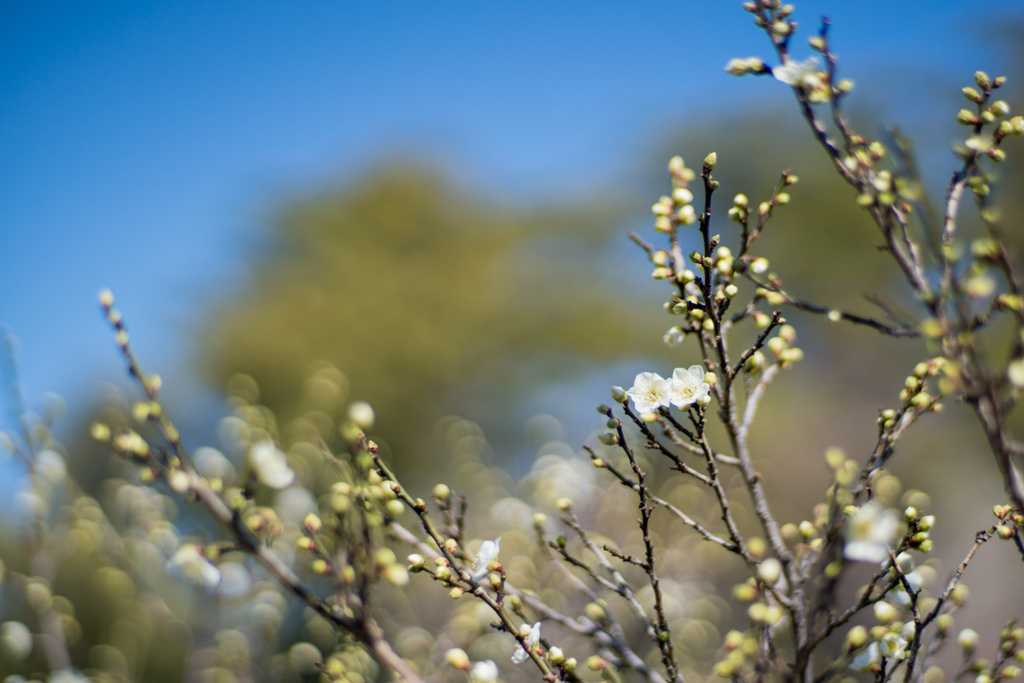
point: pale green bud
(885, 613)
(682, 195)
(769, 571)
(968, 639)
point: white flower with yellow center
(649, 392)
(687, 386)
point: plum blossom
(867, 660)
(906, 565)
(488, 553)
(674, 337)
(532, 640)
(799, 73)
(869, 533)
(649, 392)
(271, 465)
(687, 386)
(189, 565)
(892, 646)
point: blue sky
(144, 144)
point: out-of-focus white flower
(867, 660)
(906, 565)
(803, 73)
(869, 532)
(484, 672)
(892, 646)
(687, 386)
(649, 392)
(189, 565)
(270, 465)
(674, 337)
(211, 463)
(51, 467)
(15, 640)
(488, 553)
(900, 595)
(532, 640)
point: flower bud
(769, 571)
(682, 195)
(966, 118)
(312, 523)
(885, 613)
(968, 639)
(710, 161)
(458, 659)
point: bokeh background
(435, 199)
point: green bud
(965, 118)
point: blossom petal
(488, 553)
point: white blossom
(15, 640)
(892, 646)
(867, 660)
(869, 532)
(488, 553)
(532, 640)
(688, 386)
(674, 337)
(270, 465)
(484, 672)
(189, 565)
(804, 73)
(649, 392)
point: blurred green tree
(428, 298)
